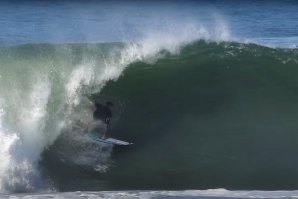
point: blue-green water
(270, 22)
(205, 91)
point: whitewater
(48, 84)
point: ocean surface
(206, 90)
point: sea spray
(42, 84)
(23, 138)
(6, 141)
(92, 74)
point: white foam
(173, 39)
(210, 193)
(23, 140)
(32, 117)
(6, 142)
(81, 75)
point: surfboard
(113, 141)
(95, 136)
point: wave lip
(274, 42)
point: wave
(42, 92)
(43, 89)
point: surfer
(103, 112)
(101, 118)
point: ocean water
(206, 91)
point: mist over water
(58, 56)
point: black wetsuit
(103, 113)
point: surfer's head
(109, 103)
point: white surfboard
(95, 136)
(113, 141)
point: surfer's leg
(103, 136)
(103, 130)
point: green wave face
(216, 115)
